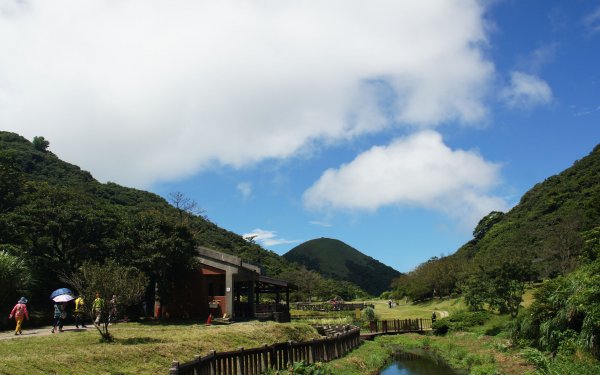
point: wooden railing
(277, 356)
(328, 306)
(400, 325)
(262, 308)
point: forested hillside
(552, 237)
(55, 216)
(541, 237)
(335, 259)
(547, 224)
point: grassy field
(418, 310)
(382, 310)
(138, 348)
(150, 348)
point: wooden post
(290, 357)
(336, 346)
(174, 370)
(240, 361)
(197, 362)
(311, 352)
(213, 364)
(265, 359)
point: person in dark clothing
(60, 315)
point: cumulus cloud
(138, 91)
(526, 91)
(267, 237)
(419, 170)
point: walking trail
(38, 332)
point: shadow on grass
(169, 322)
(138, 341)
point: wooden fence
(328, 306)
(277, 356)
(400, 325)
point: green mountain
(548, 224)
(335, 259)
(55, 216)
(546, 235)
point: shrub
(441, 327)
(368, 313)
(460, 321)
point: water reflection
(416, 364)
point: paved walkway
(39, 331)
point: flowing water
(416, 364)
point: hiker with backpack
(19, 312)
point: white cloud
(592, 21)
(245, 188)
(321, 223)
(526, 91)
(138, 91)
(267, 237)
(419, 170)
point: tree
(565, 244)
(40, 143)
(11, 182)
(308, 282)
(500, 285)
(15, 276)
(487, 223)
(185, 205)
(161, 248)
(127, 283)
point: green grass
(418, 310)
(138, 348)
(463, 351)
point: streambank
(463, 352)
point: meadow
(138, 348)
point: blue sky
(392, 126)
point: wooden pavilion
(225, 286)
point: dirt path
(38, 332)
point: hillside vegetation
(552, 237)
(335, 259)
(541, 237)
(55, 217)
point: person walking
(112, 309)
(97, 308)
(433, 317)
(19, 312)
(79, 312)
(59, 317)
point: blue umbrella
(60, 292)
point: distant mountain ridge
(335, 259)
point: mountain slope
(335, 259)
(547, 224)
(39, 170)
